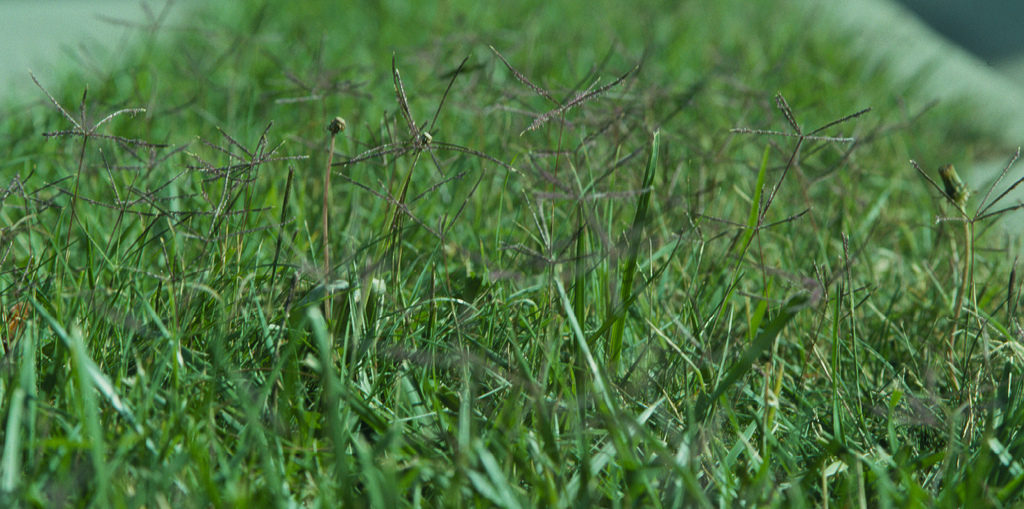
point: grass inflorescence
(538, 268)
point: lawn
(623, 253)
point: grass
(637, 259)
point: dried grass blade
(447, 89)
(1002, 174)
(578, 100)
(523, 79)
(403, 103)
(783, 106)
(841, 120)
(55, 103)
(130, 111)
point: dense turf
(663, 255)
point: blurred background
(44, 34)
(50, 35)
(990, 29)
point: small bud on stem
(336, 126)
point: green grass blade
(837, 415)
(10, 463)
(332, 403)
(754, 217)
(627, 269)
(503, 490)
(761, 344)
(88, 374)
(607, 453)
(600, 387)
(91, 371)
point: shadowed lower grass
(660, 257)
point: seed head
(955, 189)
(336, 126)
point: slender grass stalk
(281, 233)
(957, 192)
(859, 409)
(336, 126)
(396, 218)
(966, 284)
